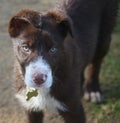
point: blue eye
(53, 50)
(26, 48)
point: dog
(59, 53)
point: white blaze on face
(43, 101)
(35, 67)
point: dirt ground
(10, 111)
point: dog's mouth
(38, 74)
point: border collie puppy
(53, 50)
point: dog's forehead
(39, 39)
(43, 37)
(43, 34)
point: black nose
(39, 78)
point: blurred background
(11, 112)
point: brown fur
(81, 31)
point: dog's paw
(94, 97)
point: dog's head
(38, 44)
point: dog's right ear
(17, 26)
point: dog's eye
(26, 48)
(53, 50)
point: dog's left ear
(65, 27)
(64, 23)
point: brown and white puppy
(52, 51)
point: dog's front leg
(34, 116)
(75, 115)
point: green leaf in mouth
(31, 92)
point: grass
(10, 112)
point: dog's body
(53, 61)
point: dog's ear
(17, 25)
(65, 27)
(64, 23)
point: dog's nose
(40, 78)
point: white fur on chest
(42, 102)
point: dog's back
(93, 21)
(52, 52)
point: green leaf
(31, 93)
